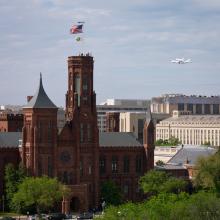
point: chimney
(29, 97)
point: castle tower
(80, 94)
(39, 134)
(81, 170)
(149, 140)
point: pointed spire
(40, 99)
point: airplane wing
(174, 61)
(188, 61)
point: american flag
(76, 29)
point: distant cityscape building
(112, 121)
(133, 122)
(165, 153)
(119, 105)
(182, 164)
(190, 129)
(195, 104)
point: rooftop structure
(118, 139)
(182, 164)
(40, 99)
(119, 105)
(10, 139)
(196, 104)
(189, 154)
(191, 129)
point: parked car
(85, 215)
(38, 216)
(56, 216)
(8, 218)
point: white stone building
(190, 129)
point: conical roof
(40, 99)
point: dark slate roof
(9, 139)
(118, 139)
(170, 167)
(189, 154)
(40, 99)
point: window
(207, 109)
(39, 131)
(77, 87)
(90, 169)
(215, 108)
(180, 106)
(89, 133)
(85, 84)
(138, 163)
(65, 177)
(126, 188)
(81, 168)
(198, 108)
(39, 166)
(126, 164)
(50, 131)
(50, 171)
(190, 107)
(81, 133)
(114, 164)
(102, 165)
(85, 100)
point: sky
(132, 42)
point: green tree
(155, 181)
(207, 143)
(174, 141)
(208, 173)
(40, 192)
(13, 177)
(111, 193)
(160, 163)
(159, 142)
(199, 206)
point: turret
(39, 134)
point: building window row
(115, 164)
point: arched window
(138, 163)
(114, 164)
(102, 165)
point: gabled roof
(118, 139)
(9, 139)
(40, 99)
(189, 154)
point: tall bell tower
(81, 120)
(80, 94)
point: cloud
(132, 43)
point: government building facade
(190, 129)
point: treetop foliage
(40, 192)
(155, 182)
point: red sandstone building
(10, 122)
(78, 155)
